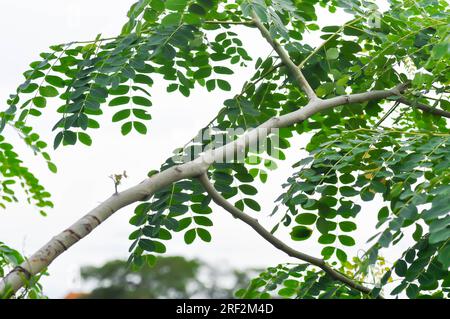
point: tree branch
(424, 107)
(284, 56)
(63, 241)
(274, 241)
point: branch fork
(274, 241)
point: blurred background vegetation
(169, 277)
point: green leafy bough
(402, 58)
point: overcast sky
(28, 28)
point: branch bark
(41, 259)
(284, 56)
(274, 241)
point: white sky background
(28, 28)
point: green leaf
(332, 54)
(70, 138)
(207, 3)
(48, 91)
(55, 81)
(147, 244)
(139, 100)
(119, 101)
(441, 49)
(439, 207)
(120, 90)
(327, 252)
(184, 223)
(367, 194)
(160, 248)
(171, 19)
(330, 29)
(171, 223)
(222, 70)
(286, 292)
(200, 209)
(126, 128)
(58, 140)
(398, 289)
(204, 234)
(203, 221)
(224, 85)
(157, 5)
(140, 127)
(202, 73)
(346, 178)
(143, 79)
(417, 235)
(383, 213)
(121, 115)
(348, 191)
(416, 268)
(324, 225)
(401, 268)
(306, 219)
(299, 233)
(427, 279)
(176, 5)
(40, 101)
(252, 204)
(196, 9)
(28, 88)
(327, 239)
(396, 189)
(210, 85)
(84, 138)
(440, 235)
(412, 291)
(52, 167)
(248, 189)
(341, 255)
(347, 226)
(189, 236)
(346, 240)
(444, 256)
(141, 114)
(385, 239)
(313, 27)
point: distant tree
(371, 98)
(170, 277)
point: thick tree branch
(63, 241)
(424, 107)
(284, 56)
(274, 241)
